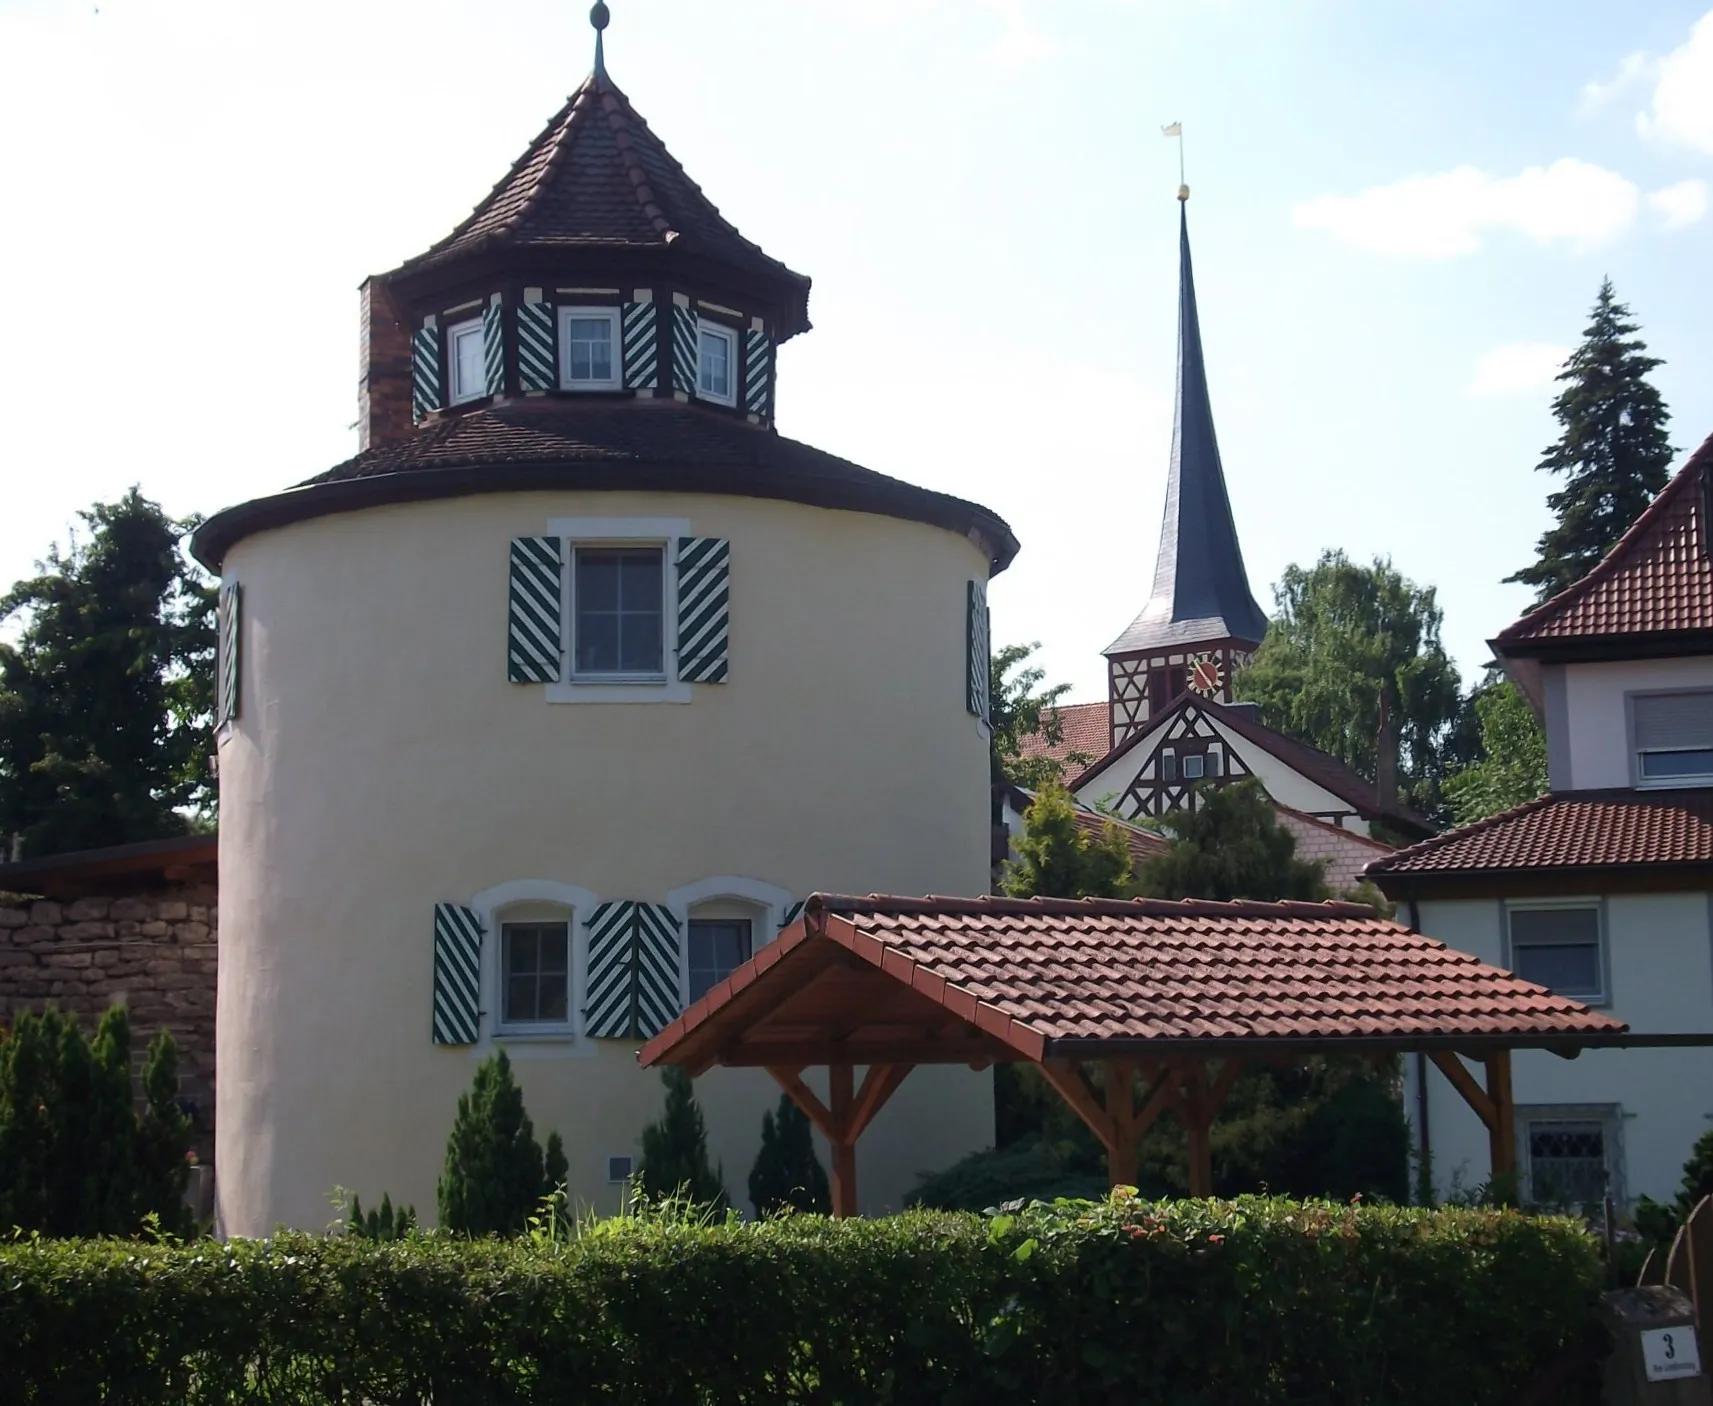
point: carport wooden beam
(853, 1109)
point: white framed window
(1168, 765)
(535, 974)
(466, 360)
(1560, 946)
(534, 967)
(725, 921)
(1194, 767)
(717, 363)
(1672, 735)
(591, 350)
(716, 946)
(1572, 1155)
(618, 611)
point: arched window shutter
(642, 347)
(704, 565)
(658, 991)
(607, 1006)
(758, 374)
(978, 661)
(533, 610)
(535, 359)
(425, 370)
(683, 350)
(633, 971)
(457, 974)
(229, 632)
(494, 345)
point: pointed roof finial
(600, 17)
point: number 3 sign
(1669, 1353)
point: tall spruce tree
(106, 695)
(1613, 453)
(495, 1177)
(787, 1175)
(1231, 846)
(675, 1149)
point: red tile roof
(1571, 830)
(1044, 977)
(1087, 729)
(553, 444)
(1657, 581)
(596, 176)
(1142, 844)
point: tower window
(589, 358)
(464, 355)
(716, 363)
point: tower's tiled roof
(1658, 580)
(598, 177)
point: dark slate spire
(1201, 592)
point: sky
(1400, 216)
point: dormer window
(589, 356)
(464, 357)
(716, 363)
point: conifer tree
(1231, 846)
(787, 1175)
(1613, 453)
(163, 1137)
(495, 1177)
(675, 1149)
(1057, 858)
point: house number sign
(1669, 1353)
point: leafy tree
(1512, 765)
(75, 1157)
(495, 1177)
(1613, 452)
(787, 1175)
(106, 696)
(1343, 638)
(1019, 707)
(1057, 858)
(1231, 846)
(675, 1149)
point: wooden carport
(1130, 1009)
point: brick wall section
(383, 369)
(1344, 852)
(154, 952)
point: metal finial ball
(600, 16)
(1183, 192)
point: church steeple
(1201, 622)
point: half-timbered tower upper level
(595, 269)
(1201, 623)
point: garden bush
(1237, 1303)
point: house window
(589, 357)
(1168, 766)
(717, 948)
(1571, 1156)
(618, 605)
(716, 362)
(535, 974)
(1193, 767)
(1673, 735)
(1559, 948)
(466, 357)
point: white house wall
(1660, 959)
(1586, 720)
(381, 763)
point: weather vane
(1176, 129)
(600, 17)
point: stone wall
(154, 953)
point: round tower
(552, 705)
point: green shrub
(496, 1177)
(787, 1175)
(990, 1178)
(76, 1157)
(382, 1224)
(675, 1149)
(1245, 1303)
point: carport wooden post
(1494, 1106)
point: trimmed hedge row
(1249, 1301)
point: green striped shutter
(533, 610)
(704, 627)
(978, 654)
(607, 1009)
(535, 362)
(658, 988)
(457, 974)
(424, 371)
(684, 342)
(758, 374)
(634, 988)
(642, 348)
(494, 345)
(228, 633)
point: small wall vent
(619, 1170)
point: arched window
(533, 961)
(725, 922)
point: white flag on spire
(1176, 129)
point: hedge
(1248, 1301)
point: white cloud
(1516, 368)
(1442, 216)
(1682, 110)
(1635, 70)
(1681, 204)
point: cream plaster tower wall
(382, 763)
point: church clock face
(1207, 675)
